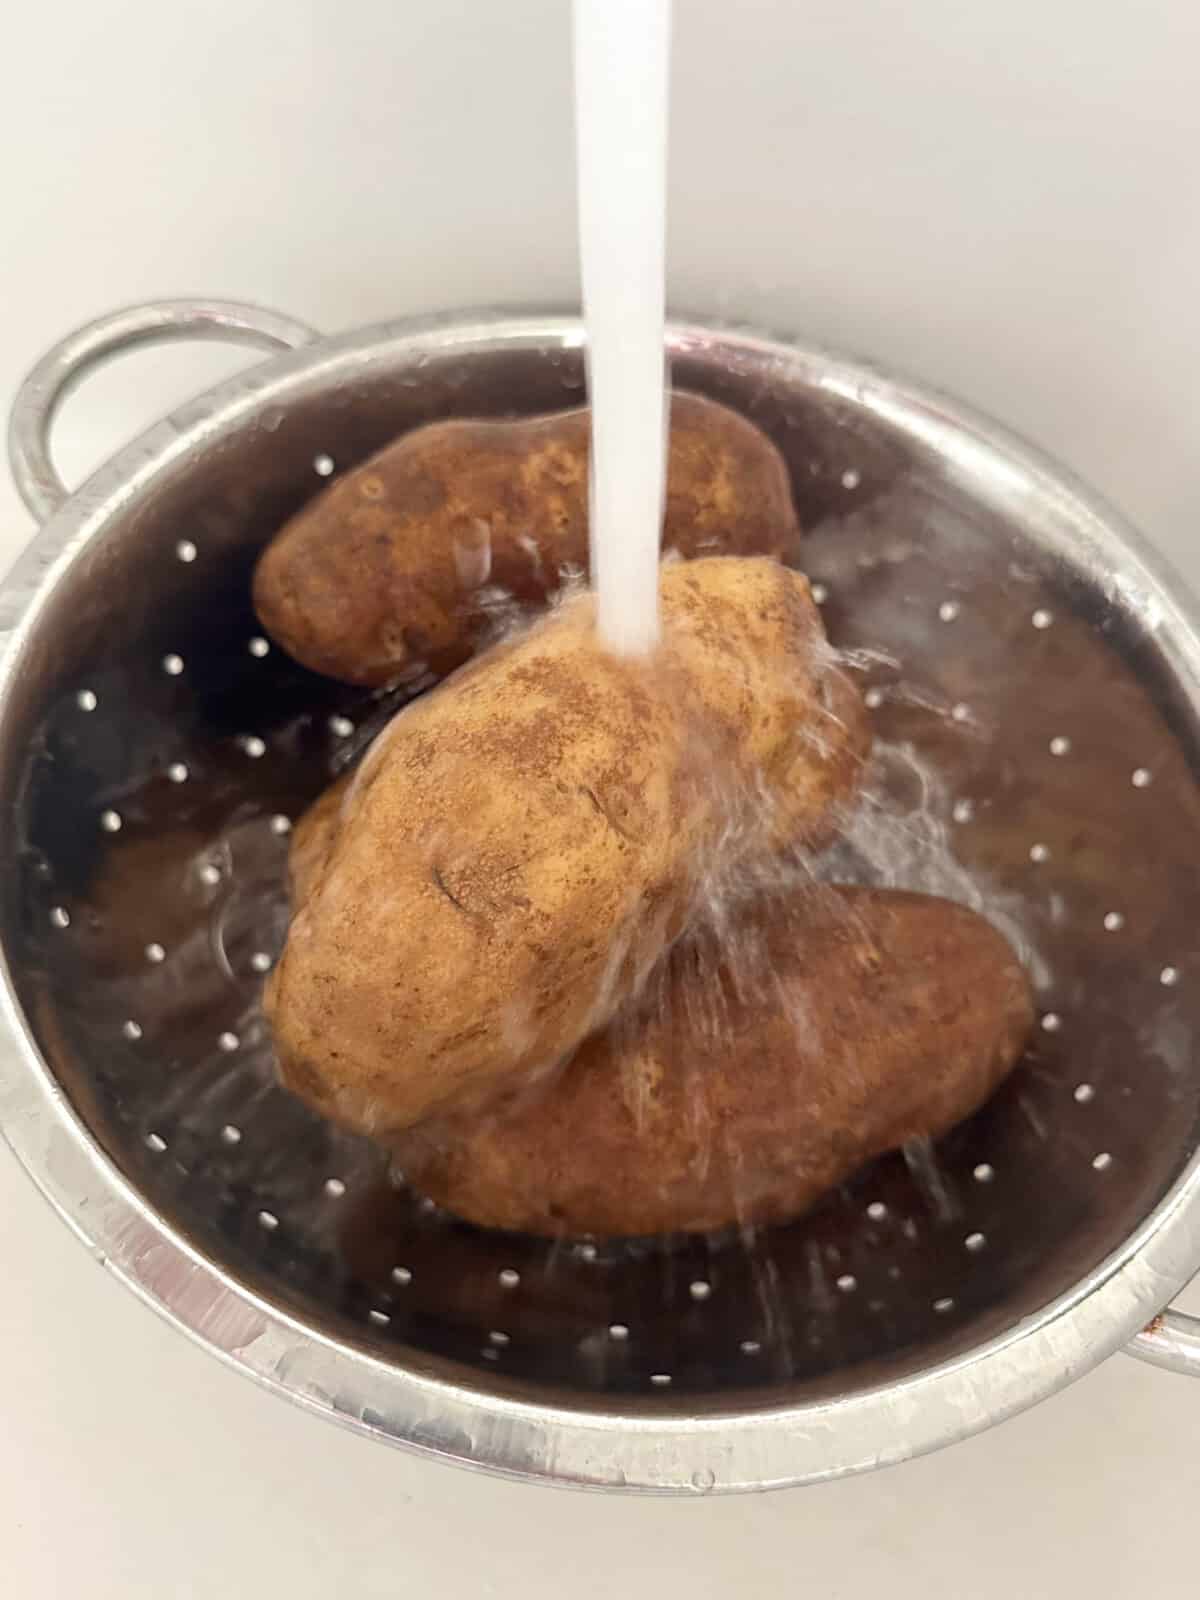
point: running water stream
(621, 71)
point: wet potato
(755, 1075)
(523, 843)
(398, 566)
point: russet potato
(522, 845)
(398, 567)
(754, 1076)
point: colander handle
(60, 369)
(1171, 1341)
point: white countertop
(346, 165)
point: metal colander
(155, 748)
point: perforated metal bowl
(154, 748)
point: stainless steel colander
(154, 748)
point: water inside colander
(1022, 765)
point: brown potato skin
(888, 1016)
(522, 844)
(379, 577)
(312, 839)
(848, 749)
